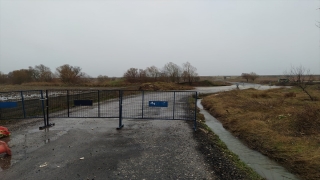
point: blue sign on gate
(158, 103)
(8, 104)
(82, 102)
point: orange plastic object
(4, 148)
(4, 131)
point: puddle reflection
(5, 162)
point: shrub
(260, 95)
(307, 120)
(289, 94)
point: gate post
(43, 111)
(142, 103)
(68, 102)
(98, 103)
(174, 103)
(23, 107)
(195, 112)
(45, 116)
(120, 110)
(47, 106)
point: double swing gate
(122, 104)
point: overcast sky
(106, 37)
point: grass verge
(225, 163)
(280, 123)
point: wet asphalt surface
(94, 149)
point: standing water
(261, 164)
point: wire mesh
(28, 104)
(63, 103)
(99, 104)
(136, 105)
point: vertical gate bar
(23, 107)
(47, 104)
(98, 103)
(142, 102)
(43, 111)
(195, 112)
(68, 102)
(174, 102)
(120, 109)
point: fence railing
(165, 105)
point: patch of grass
(280, 123)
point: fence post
(142, 102)
(98, 103)
(47, 106)
(195, 112)
(120, 109)
(45, 116)
(174, 102)
(23, 107)
(43, 111)
(68, 102)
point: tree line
(171, 72)
(68, 74)
(249, 76)
(40, 73)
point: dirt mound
(162, 86)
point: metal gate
(165, 105)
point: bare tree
(301, 77)
(102, 79)
(131, 75)
(253, 76)
(184, 76)
(41, 73)
(3, 78)
(20, 76)
(245, 76)
(153, 73)
(69, 74)
(172, 71)
(142, 75)
(189, 72)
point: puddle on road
(24, 142)
(258, 162)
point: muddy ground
(94, 149)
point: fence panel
(170, 105)
(109, 104)
(22, 104)
(167, 105)
(83, 103)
